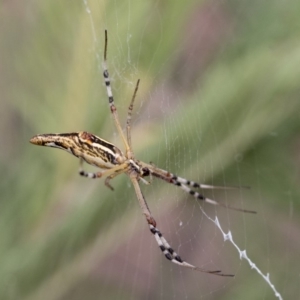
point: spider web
(217, 104)
(168, 107)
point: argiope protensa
(100, 153)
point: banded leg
(88, 174)
(110, 173)
(184, 185)
(164, 246)
(205, 186)
(175, 178)
(111, 102)
(171, 255)
(207, 200)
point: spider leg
(129, 114)
(88, 174)
(109, 174)
(206, 186)
(171, 255)
(112, 176)
(107, 180)
(184, 185)
(194, 184)
(207, 200)
(164, 246)
(111, 102)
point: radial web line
(95, 40)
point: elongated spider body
(113, 162)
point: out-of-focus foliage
(219, 101)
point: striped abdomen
(92, 149)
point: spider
(113, 162)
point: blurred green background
(218, 102)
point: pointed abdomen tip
(35, 140)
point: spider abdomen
(94, 150)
